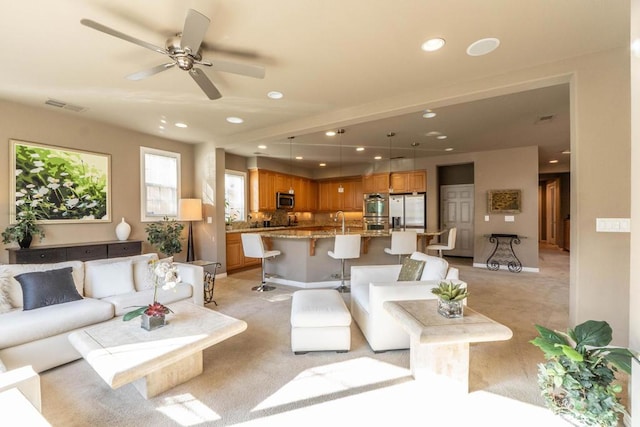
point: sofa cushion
(125, 303)
(43, 288)
(411, 270)
(106, 279)
(7, 271)
(435, 268)
(19, 327)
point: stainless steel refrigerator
(408, 210)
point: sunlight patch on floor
(186, 410)
(333, 378)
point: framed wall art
(59, 184)
(505, 201)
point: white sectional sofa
(372, 285)
(108, 288)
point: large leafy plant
(165, 235)
(577, 380)
(25, 228)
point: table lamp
(190, 210)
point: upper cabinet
(264, 184)
(331, 199)
(375, 183)
(408, 182)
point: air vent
(62, 104)
(545, 119)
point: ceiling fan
(185, 51)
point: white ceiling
(330, 58)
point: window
(234, 196)
(160, 182)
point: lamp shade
(190, 210)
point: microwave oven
(285, 201)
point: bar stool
(346, 246)
(402, 243)
(254, 248)
(451, 243)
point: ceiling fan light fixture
(483, 46)
(432, 45)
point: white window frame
(245, 205)
(144, 217)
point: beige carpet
(253, 378)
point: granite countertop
(321, 234)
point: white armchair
(372, 285)
(26, 380)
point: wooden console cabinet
(75, 252)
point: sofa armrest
(193, 275)
(26, 380)
(380, 292)
(453, 274)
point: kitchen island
(304, 259)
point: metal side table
(209, 278)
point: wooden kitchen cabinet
(235, 254)
(375, 183)
(262, 193)
(407, 182)
(332, 200)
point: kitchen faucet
(341, 213)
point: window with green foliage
(160, 183)
(234, 196)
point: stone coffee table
(154, 361)
(439, 347)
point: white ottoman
(320, 321)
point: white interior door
(552, 214)
(457, 205)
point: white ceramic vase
(123, 230)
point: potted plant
(165, 274)
(450, 298)
(165, 235)
(24, 230)
(577, 380)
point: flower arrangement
(165, 275)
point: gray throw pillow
(43, 288)
(411, 270)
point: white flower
(18, 172)
(68, 184)
(53, 186)
(38, 163)
(72, 202)
(35, 155)
(36, 170)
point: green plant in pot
(24, 230)
(166, 236)
(451, 298)
(577, 380)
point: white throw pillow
(5, 302)
(435, 268)
(107, 279)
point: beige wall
(71, 130)
(634, 294)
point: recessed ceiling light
(181, 125)
(483, 46)
(235, 120)
(378, 157)
(566, 152)
(274, 94)
(163, 121)
(161, 127)
(330, 133)
(298, 157)
(441, 137)
(432, 133)
(428, 114)
(360, 149)
(448, 149)
(262, 146)
(553, 161)
(432, 44)
(322, 165)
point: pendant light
(340, 132)
(390, 135)
(290, 138)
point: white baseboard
(504, 267)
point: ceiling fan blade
(96, 26)
(205, 84)
(255, 71)
(150, 72)
(242, 53)
(195, 27)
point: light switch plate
(209, 220)
(486, 218)
(613, 225)
(509, 218)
